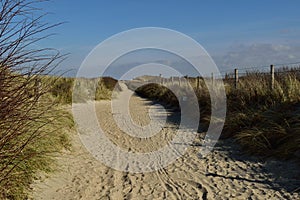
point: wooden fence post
(236, 78)
(187, 81)
(272, 79)
(159, 79)
(198, 83)
(226, 76)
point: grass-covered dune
(30, 132)
(263, 121)
(62, 87)
(35, 125)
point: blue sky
(264, 31)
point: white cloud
(255, 55)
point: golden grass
(62, 88)
(263, 121)
(40, 144)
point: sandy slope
(224, 174)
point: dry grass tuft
(264, 121)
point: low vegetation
(34, 126)
(62, 88)
(263, 121)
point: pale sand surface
(226, 173)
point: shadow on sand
(273, 173)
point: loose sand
(226, 173)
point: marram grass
(263, 121)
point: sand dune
(226, 173)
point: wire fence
(278, 69)
(233, 76)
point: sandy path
(224, 174)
